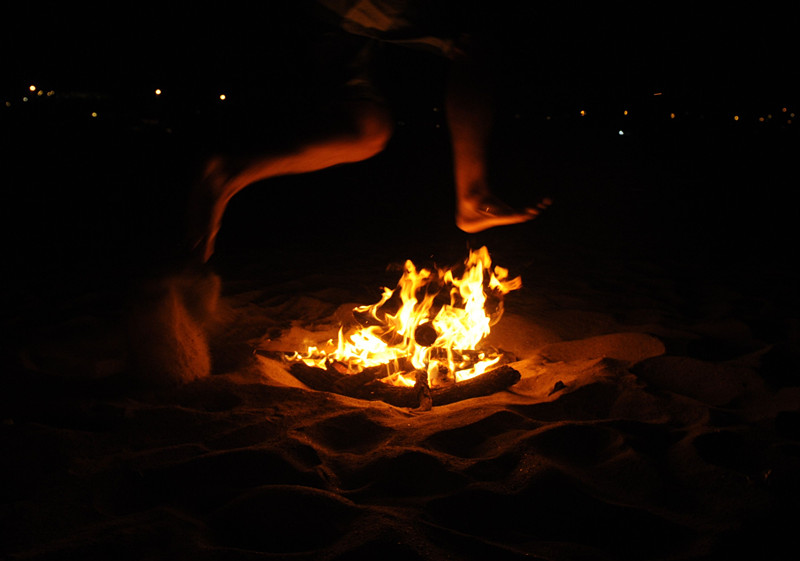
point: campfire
(422, 343)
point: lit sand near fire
(619, 442)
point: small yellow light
(625, 112)
(657, 93)
(94, 113)
(784, 110)
(32, 88)
(583, 113)
(158, 91)
(672, 115)
(222, 97)
(736, 117)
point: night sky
(733, 55)
(707, 66)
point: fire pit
(421, 344)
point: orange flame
(418, 336)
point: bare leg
(469, 117)
(367, 133)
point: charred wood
(420, 396)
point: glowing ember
(424, 333)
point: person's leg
(364, 132)
(469, 111)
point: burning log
(486, 384)
(472, 355)
(425, 334)
(351, 382)
(423, 390)
(370, 388)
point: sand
(612, 446)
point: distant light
(158, 91)
(672, 115)
(435, 109)
(94, 114)
(621, 133)
(769, 116)
(784, 110)
(625, 112)
(8, 104)
(32, 88)
(24, 98)
(222, 97)
(583, 113)
(51, 93)
(736, 117)
(657, 93)
(761, 119)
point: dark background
(730, 55)
(684, 182)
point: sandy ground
(658, 415)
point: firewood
(350, 382)
(399, 396)
(316, 378)
(486, 384)
(367, 385)
(411, 397)
(425, 334)
(472, 355)
(423, 390)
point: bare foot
(489, 212)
